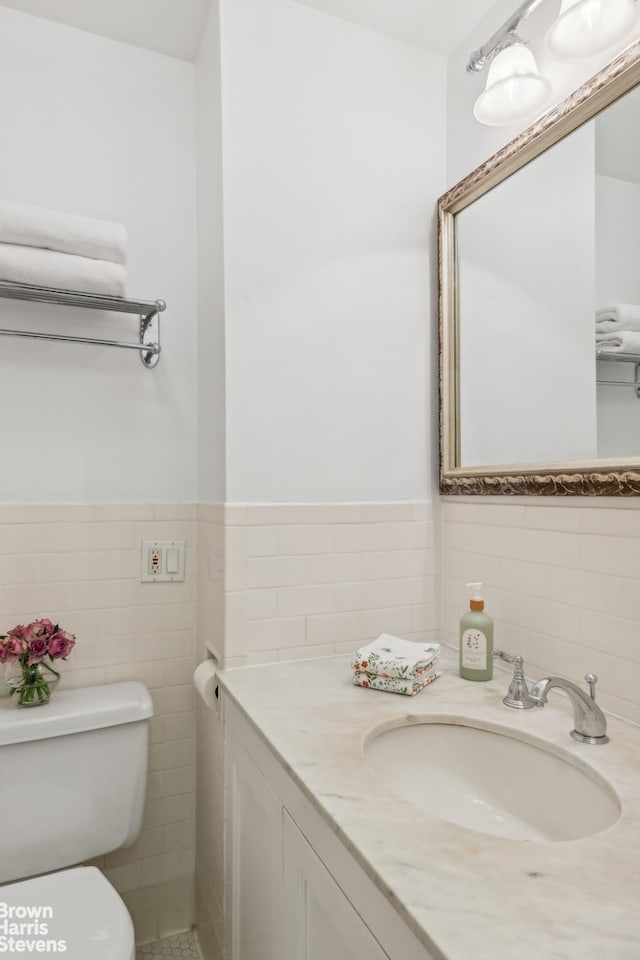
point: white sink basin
(487, 780)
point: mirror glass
(540, 302)
(538, 256)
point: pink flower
(61, 644)
(36, 636)
(17, 641)
(38, 649)
(39, 628)
(5, 654)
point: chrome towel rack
(148, 312)
(621, 358)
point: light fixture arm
(481, 57)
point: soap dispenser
(476, 639)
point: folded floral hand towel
(64, 232)
(48, 268)
(408, 687)
(390, 656)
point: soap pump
(476, 639)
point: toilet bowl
(73, 912)
(73, 775)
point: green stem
(33, 684)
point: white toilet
(72, 785)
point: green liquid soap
(476, 639)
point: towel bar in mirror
(148, 344)
(620, 358)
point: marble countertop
(466, 895)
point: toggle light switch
(173, 563)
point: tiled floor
(181, 946)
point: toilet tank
(72, 777)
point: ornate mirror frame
(580, 478)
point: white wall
(211, 315)
(617, 240)
(107, 130)
(333, 159)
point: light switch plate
(162, 561)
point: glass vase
(31, 684)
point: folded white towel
(48, 268)
(64, 232)
(619, 316)
(407, 687)
(626, 341)
(390, 656)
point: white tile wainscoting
(562, 582)
(312, 580)
(80, 566)
(269, 582)
(209, 863)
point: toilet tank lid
(75, 711)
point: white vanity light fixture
(515, 90)
(585, 28)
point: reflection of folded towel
(626, 341)
(64, 232)
(619, 316)
(48, 268)
(390, 656)
(408, 687)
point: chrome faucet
(590, 725)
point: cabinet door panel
(255, 854)
(320, 923)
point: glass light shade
(585, 28)
(514, 90)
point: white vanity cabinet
(254, 861)
(293, 890)
(319, 920)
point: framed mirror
(539, 304)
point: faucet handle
(518, 695)
(502, 655)
(591, 679)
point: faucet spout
(590, 725)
